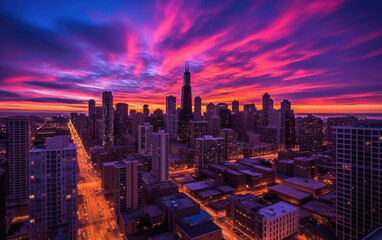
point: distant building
(358, 179)
(185, 115)
(305, 167)
(285, 167)
(230, 143)
(235, 106)
(267, 103)
(198, 129)
(285, 105)
(171, 117)
(19, 142)
(198, 108)
(92, 118)
(155, 190)
(120, 122)
(108, 118)
(144, 137)
(160, 147)
(53, 188)
(146, 111)
(208, 150)
(128, 186)
(310, 134)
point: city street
(96, 219)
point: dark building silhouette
(198, 108)
(267, 106)
(185, 115)
(108, 117)
(92, 119)
(310, 134)
(146, 111)
(157, 120)
(120, 122)
(235, 106)
(3, 204)
(171, 117)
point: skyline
(322, 56)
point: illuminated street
(96, 219)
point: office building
(128, 186)
(146, 111)
(108, 118)
(208, 150)
(249, 117)
(306, 167)
(310, 133)
(53, 189)
(120, 122)
(160, 147)
(230, 143)
(198, 129)
(171, 117)
(92, 118)
(235, 106)
(144, 137)
(285, 105)
(19, 142)
(156, 190)
(198, 108)
(267, 103)
(358, 179)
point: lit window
(31, 221)
(32, 177)
(32, 162)
(68, 196)
(31, 196)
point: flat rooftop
(247, 201)
(201, 229)
(153, 210)
(289, 191)
(374, 235)
(304, 182)
(209, 193)
(196, 186)
(177, 201)
(159, 186)
(305, 159)
(226, 189)
(186, 179)
(195, 219)
(164, 236)
(251, 173)
(319, 208)
(286, 161)
(276, 210)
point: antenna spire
(187, 67)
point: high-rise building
(267, 107)
(108, 118)
(310, 133)
(160, 147)
(171, 117)
(92, 119)
(157, 120)
(290, 129)
(358, 179)
(230, 143)
(235, 106)
(3, 204)
(186, 99)
(285, 105)
(208, 150)
(249, 117)
(120, 121)
(128, 186)
(144, 137)
(214, 126)
(198, 108)
(19, 142)
(146, 111)
(198, 129)
(53, 189)
(185, 115)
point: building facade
(160, 147)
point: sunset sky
(324, 56)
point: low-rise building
(289, 194)
(155, 190)
(307, 185)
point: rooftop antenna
(187, 67)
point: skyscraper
(208, 150)
(120, 121)
(230, 143)
(358, 179)
(171, 117)
(19, 142)
(128, 186)
(146, 111)
(91, 116)
(160, 147)
(198, 129)
(235, 106)
(108, 117)
(186, 100)
(144, 137)
(310, 133)
(285, 105)
(198, 108)
(53, 189)
(267, 107)
(249, 117)
(185, 115)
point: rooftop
(308, 183)
(195, 219)
(289, 191)
(208, 193)
(286, 161)
(226, 188)
(247, 201)
(164, 236)
(319, 208)
(251, 173)
(201, 229)
(305, 159)
(177, 201)
(276, 210)
(196, 186)
(374, 235)
(186, 179)
(153, 210)
(159, 186)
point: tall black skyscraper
(185, 115)
(267, 107)
(186, 104)
(91, 115)
(108, 117)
